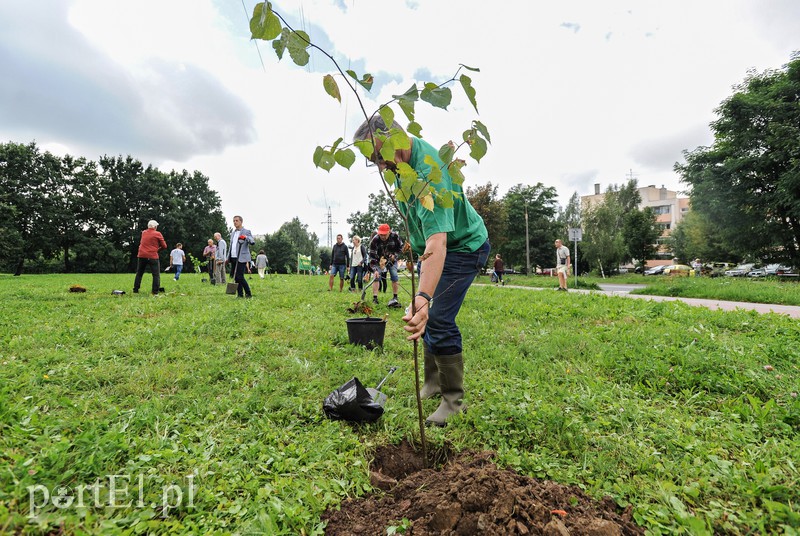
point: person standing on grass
(261, 263)
(209, 253)
(357, 264)
(220, 256)
(151, 243)
(498, 269)
(340, 262)
(384, 251)
(241, 240)
(453, 244)
(176, 258)
(562, 265)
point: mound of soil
(470, 495)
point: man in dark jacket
(152, 242)
(340, 262)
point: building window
(661, 209)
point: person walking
(261, 263)
(384, 250)
(498, 269)
(209, 254)
(357, 260)
(220, 256)
(147, 258)
(176, 258)
(241, 240)
(562, 265)
(340, 262)
(453, 244)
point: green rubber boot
(451, 380)
(430, 387)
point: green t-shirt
(463, 225)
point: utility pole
(527, 243)
(330, 223)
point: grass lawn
(689, 415)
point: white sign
(575, 234)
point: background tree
(640, 232)
(484, 200)
(281, 252)
(748, 181)
(604, 245)
(542, 208)
(697, 237)
(379, 210)
(69, 213)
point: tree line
(72, 214)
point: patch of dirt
(469, 494)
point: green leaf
(327, 161)
(387, 114)
(331, 87)
(482, 129)
(414, 129)
(475, 69)
(366, 147)
(466, 83)
(388, 149)
(408, 108)
(454, 169)
(317, 158)
(365, 81)
(389, 177)
(446, 153)
(400, 139)
(336, 144)
(478, 148)
(323, 159)
(439, 97)
(420, 188)
(345, 158)
(297, 43)
(264, 24)
(445, 198)
(401, 195)
(406, 101)
(279, 45)
(406, 172)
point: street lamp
(527, 242)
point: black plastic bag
(352, 402)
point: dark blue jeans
(356, 276)
(441, 333)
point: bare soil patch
(469, 494)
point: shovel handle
(391, 371)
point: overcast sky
(573, 93)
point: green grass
(662, 406)
(743, 289)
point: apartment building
(668, 207)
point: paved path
(623, 291)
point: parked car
(655, 270)
(757, 272)
(716, 269)
(786, 271)
(740, 271)
(677, 269)
(510, 271)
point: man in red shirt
(152, 241)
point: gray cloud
(660, 154)
(56, 85)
